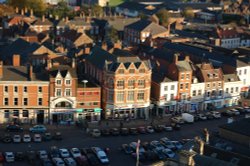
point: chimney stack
(43, 18)
(118, 45)
(17, 10)
(73, 65)
(104, 46)
(49, 64)
(25, 10)
(30, 72)
(31, 13)
(187, 58)
(1, 69)
(16, 60)
(22, 12)
(56, 17)
(176, 58)
(66, 19)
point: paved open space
(74, 137)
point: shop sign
(79, 110)
(64, 111)
(97, 110)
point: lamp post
(85, 82)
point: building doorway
(54, 118)
(40, 117)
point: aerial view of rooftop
(125, 83)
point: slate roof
(183, 66)
(63, 69)
(21, 73)
(231, 77)
(120, 23)
(146, 25)
(159, 78)
(40, 22)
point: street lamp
(85, 82)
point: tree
(163, 16)
(97, 10)
(6, 10)
(61, 10)
(188, 13)
(38, 6)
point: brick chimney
(176, 58)
(25, 10)
(187, 58)
(73, 63)
(30, 72)
(66, 19)
(16, 60)
(86, 50)
(43, 18)
(186, 158)
(49, 64)
(31, 13)
(22, 12)
(118, 45)
(1, 69)
(17, 10)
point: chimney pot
(16, 60)
(30, 72)
(22, 12)
(43, 18)
(17, 10)
(73, 65)
(176, 57)
(49, 64)
(187, 58)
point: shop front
(88, 115)
(166, 108)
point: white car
(178, 120)
(9, 156)
(26, 138)
(177, 144)
(58, 161)
(37, 138)
(64, 153)
(70, 161)
(202, 117)
(235, 112)
(42, 154)
(216, 114)
(17, 139)
(168, 128)
(247, 109)
(101, 155)
(75, 152)
(150, 129)
(169, 153)
(96, 133)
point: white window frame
(56, 92)
(65, 82)
(59, 80)
(65, 92)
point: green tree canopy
(6, 10)
(113, 35)
(61, 10)
(38, 6)
(163, 16)
(97, 10)
(188, 12)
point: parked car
(69, 161)
(54, 152)
(235, 112)
(147, 146)
(215, 114)
(16, 138)
(114, 132)
(209, 116)
(169, 145)
(57, 136)
(196, 117)
(82, 161)
(188, 118)
(19, 156)
(58, 161)
(101, 155)
(37, 138)
(133, 131)
(9, 157)
(168, 128)
(228, 113)
(64, 153)
(247, 109)
(133, 145)
(159, 128)
(6, 138)
(175, 126)
(150, 129)
(159, 153)
(240, 109)
(47, 137)
(46, 162)
(14, 128)
(202, 117)
(31, 155)
(42, 154)
(177, 120)
(1, 157)
(95, 133)
(92, 159)
(105, 132)
(75, 152)
(38, 129)
(177, 144)
(157, 144)
(127, 149)
(26, 138)
(124, 131)
(168, 152)
(141, 130)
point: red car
(1, 157)
(82, 161)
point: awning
(97, 110)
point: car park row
(93, 156)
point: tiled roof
(231, 77)
(183, 66)
(40, 22)
(120, 23)
(146, 25)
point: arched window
(64, 104)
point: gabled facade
(197, 95)
(125, 82)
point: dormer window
(58, 82)
(121, 71)
(142, 71)
(131, 70)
